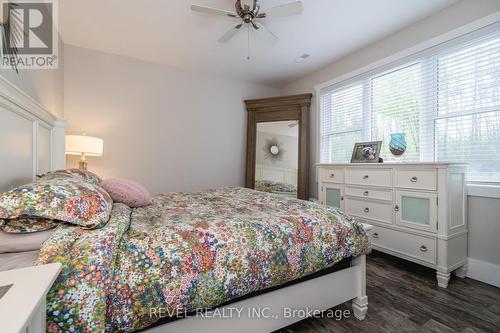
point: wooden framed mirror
(278, 145)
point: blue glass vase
(398, 145)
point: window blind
(343, 124)
(446, 101)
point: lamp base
(82, 165)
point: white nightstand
(23, 306)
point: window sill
(483, 190)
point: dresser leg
(442, 279)
(461, 272)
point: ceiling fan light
(249, 13)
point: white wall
(484, 239)
(484, 214)
(169, 129)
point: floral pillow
(27, 224)
(63, 199)
(73, 173)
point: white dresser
(418, 210)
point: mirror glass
(277, 157)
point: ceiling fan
(252, 16)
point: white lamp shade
(81, 144)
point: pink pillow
(128, 192)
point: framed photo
(366, 152)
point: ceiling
(167, 32)
(279, 127)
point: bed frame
(32, 142)
(265, 312)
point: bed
(279, 188)
(280, 181)
(188, 253)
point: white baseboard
(484, 271)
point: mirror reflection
(277, 157)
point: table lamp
(84, 146)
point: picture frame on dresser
(418, 210)
(366, 152)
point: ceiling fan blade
(228, 35)
(289, 9)
(268, 34)
(214, 11)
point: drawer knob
(367, 210)
(365, 193)
(332, 175)
(396, 208)
(414, 179)
(423, 248)
(375, 235)
(366, 177)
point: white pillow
(23, 242)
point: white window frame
(418, 53)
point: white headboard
(267, 172)
(31, 139)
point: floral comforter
(186, 252)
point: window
(395, 107)
(446, 101)
(344, 124)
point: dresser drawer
(414, 246)
(369, 193)
(375, 177)
(377, 211)
(417, 179)
(333, 175)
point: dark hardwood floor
(404, 297)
